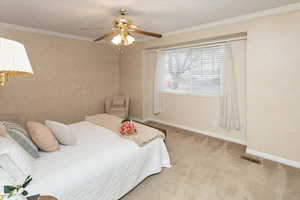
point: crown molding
(43, 32)
(268, 12)
(263, 13)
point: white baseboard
(230, 139)
(215, 135)
(138, 120)
(273, 158)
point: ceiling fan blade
(105, 36)
(132, 26)
(147, 33)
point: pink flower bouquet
(127, 128)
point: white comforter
(102, 166)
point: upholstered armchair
(118, 106)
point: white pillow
(14, 160)
(62, 132)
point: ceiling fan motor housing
(123, 11)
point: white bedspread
(102, 166)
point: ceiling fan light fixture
(130, 39)
(117, 39)
(127, 40)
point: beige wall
(273, 86)
(131, 67)
(71, 78)
(272, 93)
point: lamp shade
(13, 58)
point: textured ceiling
(162, 16)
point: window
(196, 70)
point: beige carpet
(206, 168)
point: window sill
(178, 93)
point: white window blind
(195, 70)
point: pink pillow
(42, 137)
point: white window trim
(184, 93)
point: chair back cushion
(118, 101)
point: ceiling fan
(122, 29)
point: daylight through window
(196, 70)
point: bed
(102, 166)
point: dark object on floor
(47, 198)
(34, 197)
(126, 120)
(38, 197)
(251, 158)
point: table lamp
(13, 60)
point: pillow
(62, 132)
(118, 102)
(14, 160)
(18, 133)
(42, 137)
